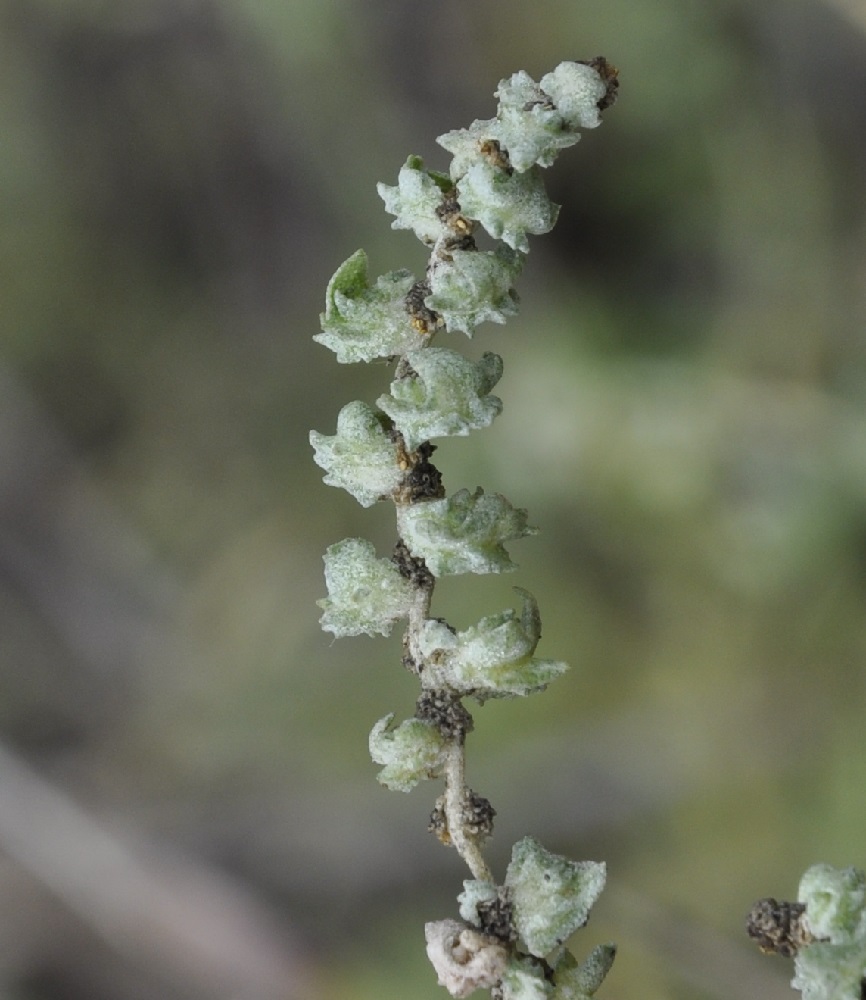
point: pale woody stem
(455, 772)
(419, 612)
(455, 796)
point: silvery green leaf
(834, 965)
(835, 902)
(492, 659)
(508, 205)
(519, 92)
(410, 752)
(576, 90)
(534, 137)
(534, 123)
(475, 891)
(366, 595)
(580, 981)
(361, 458)
(531, 128)
(525, 980)
(552, 896)
(475, 286)
(464, 144)
(447, 396)
(463, 533)
(415, 199)
(362, 321)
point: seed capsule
(779, 928)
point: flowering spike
(509, 938)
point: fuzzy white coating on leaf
(508, 206)
(464, 144)
(835, 902)
(475, 286)
(464, 533)
(580, 981)
(552, 896)
(411, 753)
(465, 960)
(414, 201)
(475, 891)
(366, 595)
(525, 980)
(362, 321)
(360, 458)
(833, 966)
(534, 122)
(450, 396)
(530, 126)
(492, 659)
(576, 90)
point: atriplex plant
(510, 936)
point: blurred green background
(187, 808)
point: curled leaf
(363, 321)
(475, 286)
(464, 533)
(508, 205)
(577, 89)
(534, 122)
(366, 595)
(410, 752)
(475, 891)
(447, 395)
(492, 659)
(360, 458)
(415, 199)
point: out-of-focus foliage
(683, 417)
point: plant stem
(456, 794)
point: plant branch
(456, 796)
